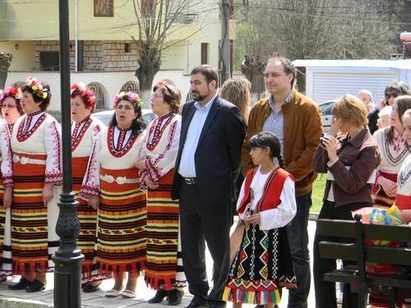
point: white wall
(112, 82)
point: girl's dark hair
(138, 124)
(270, 140)
(44, 102)
(172, 95)
(403, 103)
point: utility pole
(225, 39)
(68, 257)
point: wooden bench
(356, 231)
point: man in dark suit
(207, 165)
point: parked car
(106, 116)
(326, 108)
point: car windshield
(326, 108)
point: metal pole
(225, 37)
(68, 257)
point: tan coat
(302, 130)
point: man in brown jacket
(296, 120)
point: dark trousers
(202, 223)
(325, 296)
(298, 241)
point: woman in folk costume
(111, 184)
(37, 169)
(262, 265)
(10, 110)
(393, 148)
(84, 131)
(164, 271)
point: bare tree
(316, 29)
(5, 61)
(156, 21)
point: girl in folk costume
(84, 131)
(11, 110)
(164, 271)
(266, 204)
(393, 148)
(403, 198)
(36, 148)
(111, 184)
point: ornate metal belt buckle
(121, 180)
(109, 178)
(24, 160)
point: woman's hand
(331, 145)
(389, 187)
(140, 164)
(93, 202)
(151, 184)
(47, 193)
(7, 196)
(253, 219)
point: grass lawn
(318, 193)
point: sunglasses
(389, 95)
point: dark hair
(172, 95)
(44, 102)
(397, 87)
(207, 71)
(288, 66)
(403, 103)
(270, 140)
(138, 124)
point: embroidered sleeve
(91, 180)
(96, 132)
(6, 157)
(158, 165)
(52, 142)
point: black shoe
(36, 286)
(195, 303)
(174, 297)
(22, 284)
(90, 288)
(158, 298)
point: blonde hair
(238, 92)
(350, 109)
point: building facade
(103, 52)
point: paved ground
(12, 299)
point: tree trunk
(3, 78)
(149, 65)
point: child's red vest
(272, 190)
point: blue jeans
(298, 240)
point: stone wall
(109, 56)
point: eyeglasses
(4, 106)
(389, 95)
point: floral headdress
(133, 97)
(14, 92)
(85, 93)
(37, 87)
(161, 83)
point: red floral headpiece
(84, 92)
(14, 92)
